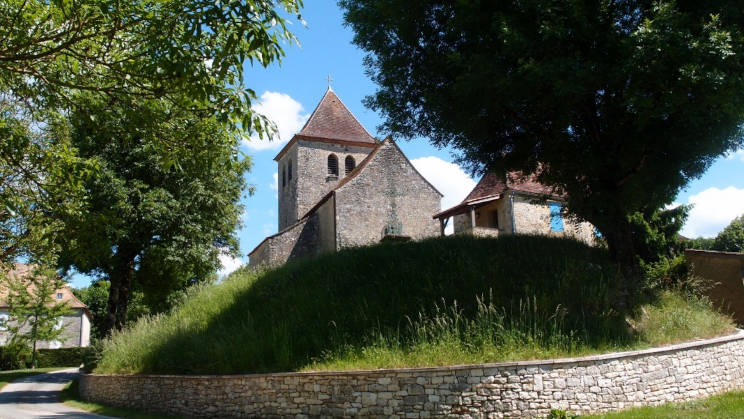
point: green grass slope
(441, 301)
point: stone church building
(340, 187)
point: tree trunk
(622, 252)
(119, 292)
(33, 356)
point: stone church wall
(313, 181)
(287, 193)
(326, 214)
(365, 204)
(297, 241)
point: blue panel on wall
(556, 219)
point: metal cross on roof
(329, 82)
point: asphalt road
(38, 397)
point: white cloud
(714, 209)
(448, 178)
(286, 113)
(275, 184)
(738, 154)
(229, 264)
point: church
(340, 187)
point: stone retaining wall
(514, 389)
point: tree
(96, 295)
(147, 224)
(190, 52)
(34, 314)
(38, 178)
(186, 53)
(656, 232)
(731, 239)
(618, 104)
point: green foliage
(60, 58)
(616, 104)
(701, 243)
(731, 239)
(727, 405)
(96, 295)
(560, 414)
(656, 232)
(190, 53)
(149, 225)
(439, 301)
(38, 178)
(14, 355)
(34, 314)
(62, 357)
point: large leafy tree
(38, 178)
(147, 224)
(616, 103)
(731, 238)
(190, 52)
(186, 53)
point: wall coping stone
(697, 343)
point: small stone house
(340, 187)
(513, 204)
(76, 324)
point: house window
(59, 295)
(289, 170)
(333, 165)
(350, 164)
(284, 177)
(556, 219)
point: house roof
(21, 271)
(492, 186)
(333, 122)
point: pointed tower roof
(332, 122)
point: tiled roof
(21, 270)
(332, 120)
(492, 185)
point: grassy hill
(441, 301)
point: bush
(62, 357)
(14, 356)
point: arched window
(284, 176)
(332, 165)
(289, 170)
(350, 164)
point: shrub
(62, 357)
(15, 355)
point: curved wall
(529, 388)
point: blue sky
(290, 92)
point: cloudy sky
(289, 92)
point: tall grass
(441, 301)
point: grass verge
(8, 376)
(728, 405)
(441, 301)
(71, 397)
